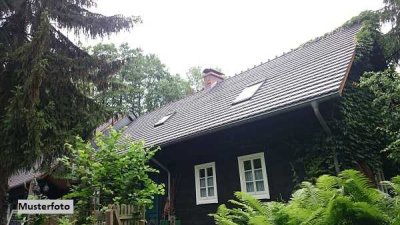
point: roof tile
(313, 71)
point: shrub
(332, 200)
(113, 170)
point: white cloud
(230, 34)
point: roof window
(163, 119)
(247, 93)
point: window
(247, 93)
(253, 175)
(206, 183)
(163, 119)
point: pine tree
(44, 79)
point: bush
(113, 170)
(346, 199)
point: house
(232, 135)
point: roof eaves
(345, 78)
(265, 115)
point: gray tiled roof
(23, 177)
(311, 72)
(115, 124)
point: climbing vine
(355, 119)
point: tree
(44, 79)
(391, 14)
(143, 83)
(333, 200)
(113, 171)
(195, 77)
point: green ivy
(361, 123)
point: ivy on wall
(353, 119)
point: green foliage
(42, 80)
(365, 128)
(66, 220)
(361, 130)
(359, 124)
(385, 88)
(40, 219)
(369, 52)
(391, 14)
(195, 77)
(114, 171)
(355, 137)
(143, 83)
(44, 77)
(332, 200)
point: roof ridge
(303, 45)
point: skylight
(163, 119)
(247, 93)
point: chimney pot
(212, 77)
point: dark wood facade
(268, 135)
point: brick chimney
(212, 77)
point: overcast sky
(229, 34)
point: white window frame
(205, 200)
(163, 119)
(247, 93)
(257, 194)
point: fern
(250, 201)
(346, 199)
(259, 220)
(358, 187)
(343, 210)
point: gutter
(317, 113)
(325, 127)
(314, 102)
(168, 174)
(264, 115)
(253, 118)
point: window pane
(163, 119)
(257, 163)
(210, 191)
(247, 93)
(202, 173)
(248, 176)
(209, 171)
(250, 187)
(202, 182)
(203, 192)
(247, 165)
(260, 186)
(258, 174)
(210, 182)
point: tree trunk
(3, 196)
